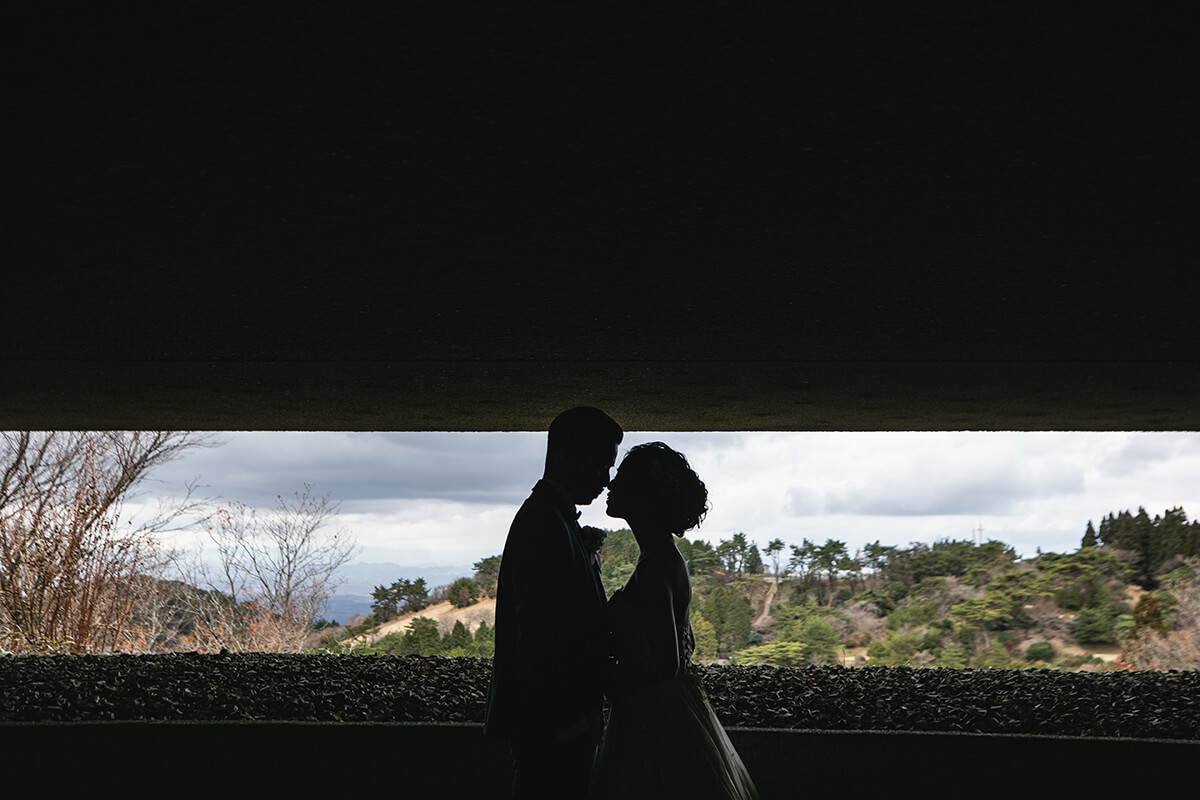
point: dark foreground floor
(255, 725)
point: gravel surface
(338, 688)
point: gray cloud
(1140, 451)
(472, 468)
(955, 489)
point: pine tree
(487, 572)
(754, 562)
(820, 642)
(774, 549)
(463, 592)
(422, 638)
(1090, 539)
(457, 637)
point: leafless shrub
(273, 573)
(68, 566)
(1178, 649)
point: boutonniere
(593, 538)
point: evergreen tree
(463, 592)
(877, 557)
(820, 642)
(402, 597)
(700, 556)
(485, 641)
(774, 550)
(1090, 539)
(1148, 615)
(729, 614)
(1040, 651)
(383, 603)
(754, 562)
(422, 638)
(458, 639)
(800, 565)
(1095, 626)
(827, 559)
(727, 552)
(487, 572)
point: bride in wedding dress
(662, 739)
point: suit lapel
(570, 516)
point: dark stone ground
(335, 688)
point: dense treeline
(949, 603)
(1158, 542)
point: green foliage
(421, 638)
(995, 657)
(401, 597)
(487, 572)
(699, 555)
(881, 599)
(1095, 626)
(1040, 651)
(485, 644)
(738, 556)
(932, 639)
(913, 612)
(896, 650)
(946, 557)
(729, 613)
(778, 654)
(754, 563)
(1078, 578)
(952, 657)
(774, 551)
(463, 592)
(1090, 538)
(919, 590)
(457, 637)
(706, 638)
(1148, 615)
(617, 560)
(1154, 542)
(978, 614)
(820, 642)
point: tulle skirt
(664, 741)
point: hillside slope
(444, 614)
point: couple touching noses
(562, 648)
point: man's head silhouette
(581, 448)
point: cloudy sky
(446, 499)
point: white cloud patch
(448, 498)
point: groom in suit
(546, 695)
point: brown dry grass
(444, 614)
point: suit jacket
(551, 652)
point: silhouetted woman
(663, 739)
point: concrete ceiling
(419, 220)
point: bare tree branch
(273, 574)
(67, 565)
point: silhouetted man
(546, 696)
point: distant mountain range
(352, 598)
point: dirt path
(765, 615)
